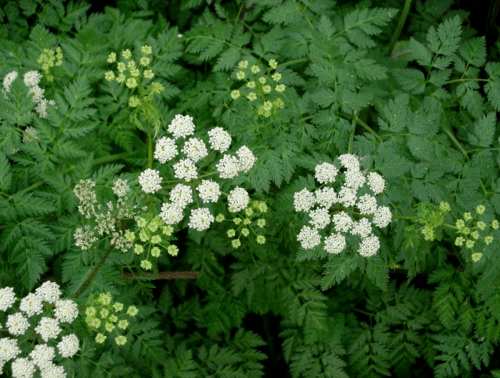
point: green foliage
(422, 116)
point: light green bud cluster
(104, 317)
(469, 233)
(432, 217)
(247, 223)
(48, 59)
(154, 234)
(129, 73)
(258, 87)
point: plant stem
(399, 28)
(362, 123)
(150, 166)
(94, 272)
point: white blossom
(382, 216)
(66, 310)
(48, 292)
(87, 197)
(68, 346)
(8, 349)
(362, 228)
(238, 199)
(32, 78)
(326, 197)
(319, 218)
(228, 167)
(342, 221)
(171, 213)
(120, 187)
(53, 371)
(30, 134)
(7, 298)
(369, 246)
(326, 173)
(219, 139)
(150, 180)
(309, 237)
(48, 328)
(335, 243)
(165, 150)
(200, 219)
(31, 305)
(303, 200)
(347, 196)
(23, 368)
(185, 170)
(17, 324)
(195, 149)
(349, 161)
(181, 126)
(376, 182)
(367, 204)
(8, 79)
(209, 191)
(182, 195)
(84, 237)
(354, 179)
(246, 158)
(42, 355)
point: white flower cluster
(185, 169)
(105, 222)
(31, 80)
(341, 221)
(42, 355)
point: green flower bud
(481, 225)
(237, 221)
(266, 89)
(121, 66)
(141, 222)
(155, 251)
(118, 306)
(480, 209)
(469, 243)
(120, 340)
(261, 239)
(146, 50)
(99, 339)
(476, 256)
(255, 69)
(276, 76)
(127, 54)
(134, 102)
(123, 324)
(167, 230)
(459, 241)
(273, 64)
(146, 265)
(148, 74)
(144, 61)
(240, 75)
(280, 88)
(112, 57)
(109, 76)
(261, 222)
(132, 311)
(467, 216)
(220, 218)
(494, 224)
(252, 96)
(109, 327)
(231, 233)
(243, 64)
(172, 250)
(105, 298)
(90, 311)
(104, 313)
(244, 231)
(251, 84)
(138, 249)
(262, 80)
(236, 243)
(235, 94)
(488, 239)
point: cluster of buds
(194, 150)
(469, 234)
(36, 322)
(106, 221)
(31, 80)
(48, 59)
(326, 198)
(259, 87)
(131, 74)
(155, 235)
(252, 217)
(104, 317)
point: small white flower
(53, 371)
(349, 161)
(7, 298)
(376, 182)
(382, 216)
(150, 180)
(66, 311)
(48, 292)
(354, 179)
(171, 213)
(362, 228)
(246, 158)
(182, 195)
(120, 188)
(200, 219)
(48, 328)
(42, 355)
(326, 197)
(319, 218)
(309, 237)
(326, 173)
(165, 150)
(347, 196)
(32, 78)
(195, 149)
(335, 243)
(219, 139)
(8, 79)
(17, 324)
(369, 246)
(342, 221)
(238, 199)
(303, 200)
(181, 126)
(31, 305)
(8, 349)
(23, 368)
(209, 191)
(228, 167)
(367, 204)
(185, 170)
(68, 346)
